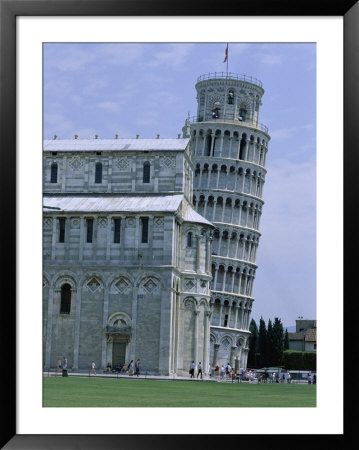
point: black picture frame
(9, 10)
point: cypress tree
(277, 343)
(262, 346)
(253, 344)
(269, 344)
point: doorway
(118, 353)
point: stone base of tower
(228, 346)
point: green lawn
(97, 392)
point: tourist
(222, 372)
(64, 366)
(191, 370)
(137, 367)
(93, 368)
(216, 371)
(130, 368)
(228, 370)
(199, 368)
(241, 373)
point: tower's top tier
(228, 96)
(229, 76)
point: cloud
(93, 86)
(68, 57)
(283, 133)
(109, 106)
(75, 57)
(175, 57)
(161, 97)
(269, 59)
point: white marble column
(220, 314)
(77, 329)
(206, 342)
(195, 338)
(236, 316)
(224, 279)
(48, 340)
(106, 295)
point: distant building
(305, 337)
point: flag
(226, 54)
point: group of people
(193, 368)
(275, 377)
(312, 378)
(132, 368)
(62, 366)
(228, 372)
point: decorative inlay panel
(122, 163)
(93, 285)
(76, 163)
(122, 285)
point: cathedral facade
(149, 244)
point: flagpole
(227, 59)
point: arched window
(189, 239)
(146, 172)
(209, 144)
(98, 173)
(89, 231)
(242, 146)
(53, 178)
(242, 114)
(230, 97)
(144, 231)
(65, 299)
(62, 228)
(215, 113)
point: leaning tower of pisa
(229, 147)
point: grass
(100, 392)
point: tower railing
(230, 120)
(229, 75)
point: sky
(149, 89)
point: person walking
(241, 374)
(199, 368)
(228, 370)
(64, 366)
(191, 370)
(137, 367)
(130, 368)
(222, 372)
(93, 368)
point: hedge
(295, 360)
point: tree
(277, 343)
(269, 344)
(253, 345)
(262, 343)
